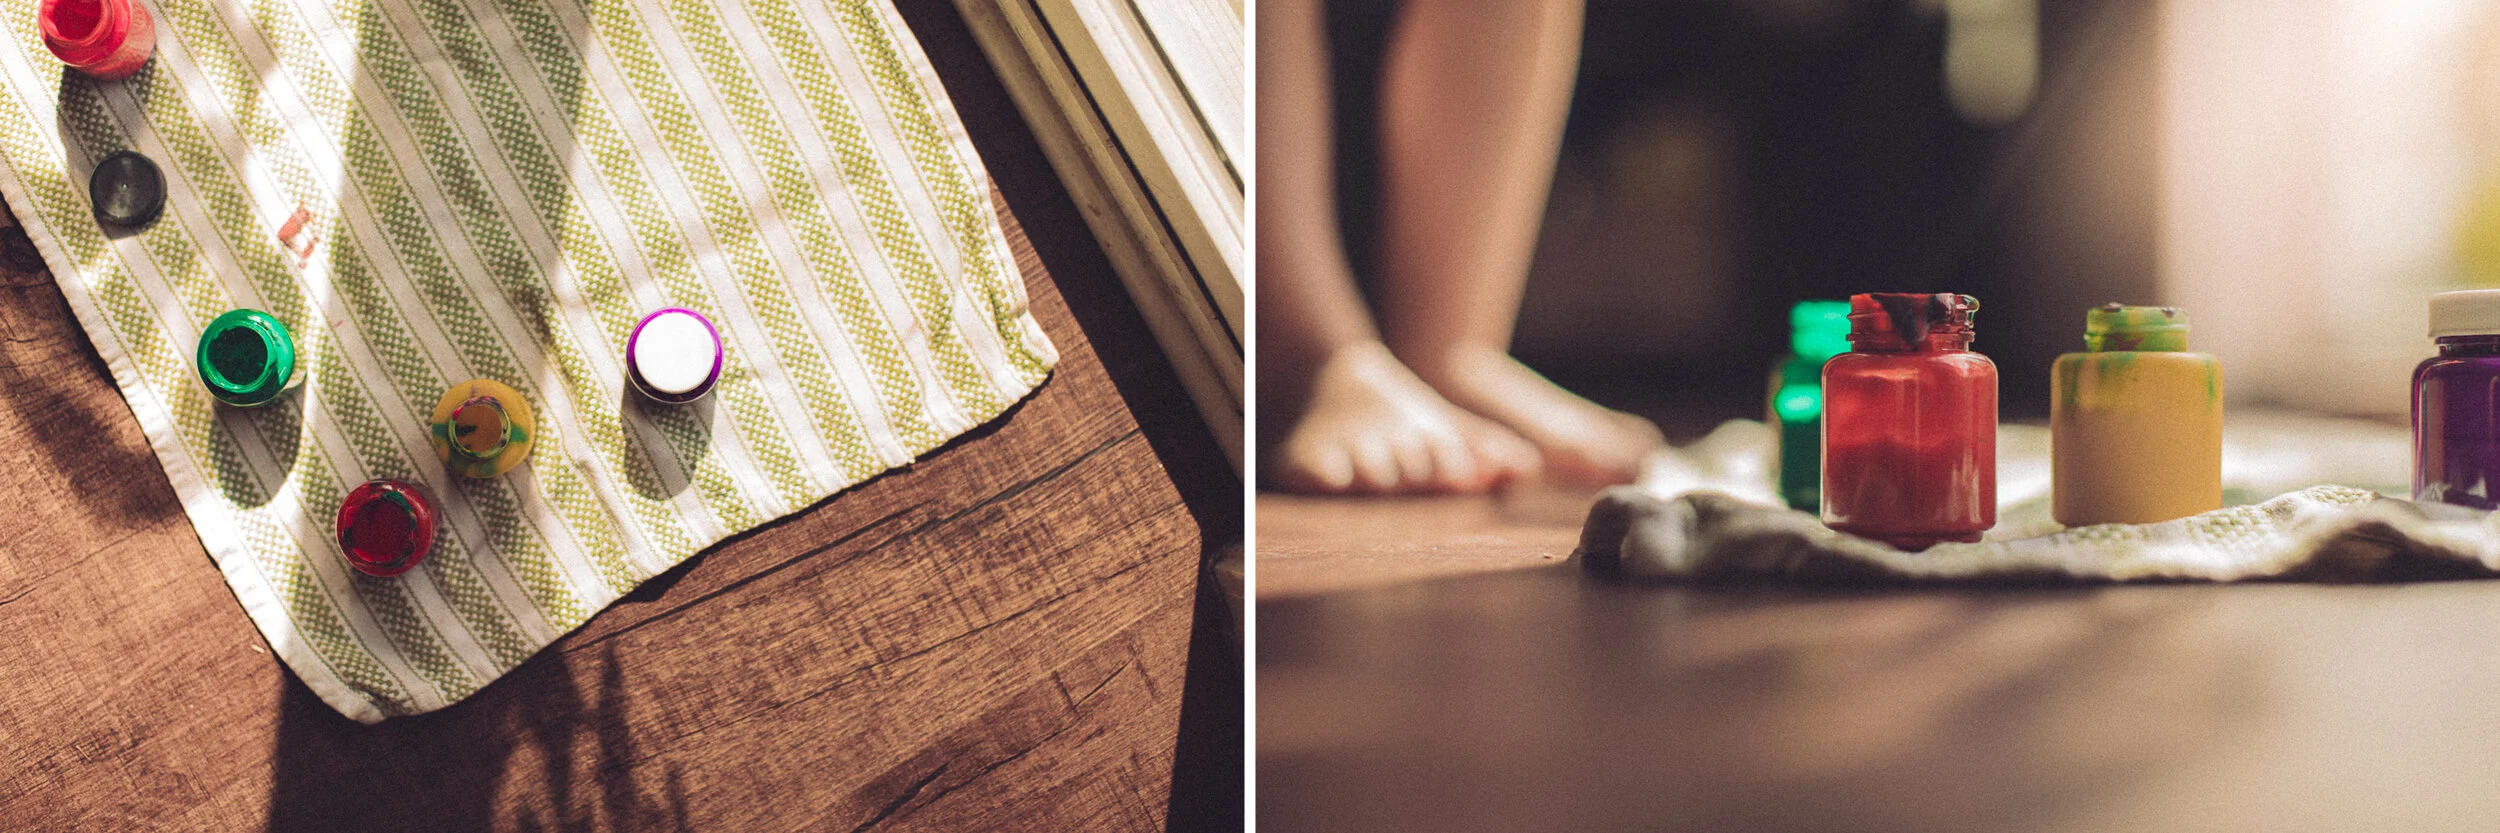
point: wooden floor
(1439, 666)
(999, 637)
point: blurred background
(2299, 175)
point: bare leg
(1367, 423)
(1473, 100)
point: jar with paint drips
(106, 39)
(2135, 424)
(386, 527)
(247, 358)
(1909, 423)
(482, 428)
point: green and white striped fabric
(501, 188)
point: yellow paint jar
(482, 428)
(2135, 422)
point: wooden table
(1439, 666)
(998, 637)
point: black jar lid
(127, 189)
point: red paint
(107, 39)
(1909, 424)
(386, 527)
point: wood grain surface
(1429, 666)
(1009, 634)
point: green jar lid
(246, 357)
(1818, 329)
(2113, 328)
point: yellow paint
(488, 433)
(2135, 437)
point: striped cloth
(500, 188)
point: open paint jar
(386, 527)
(674, 355)
(482, 428)
(106, 39)
(247, 358)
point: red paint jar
(386, 527)
(106, 39)
(1910, 424)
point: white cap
(2468, 312)
(675, 352)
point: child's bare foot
(1583, 442)
(1373, 427)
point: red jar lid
(386, 527)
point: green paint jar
(1818, 330)
(247, 358)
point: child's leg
(1367, 424)
(1473, 99)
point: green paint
(1818, 330)
(1798, 404)
(246, 358)
(1801, 462)
(2119, 328)
(2116, 337)
(238, 354)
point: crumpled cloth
(1699, 514)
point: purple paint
(2456, 403)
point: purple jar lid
(674, 355)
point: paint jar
(2135, 422)
(673, 356)
(1910, 424)
(482, 428)
(1817, 331)
(2456, 416)
(386, 527)
(247, 358)
(106, 39)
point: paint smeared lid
(2122, 328)
(127, 190)
(386, 527)
(482, 428)
(246, 357)
(1909, 319)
